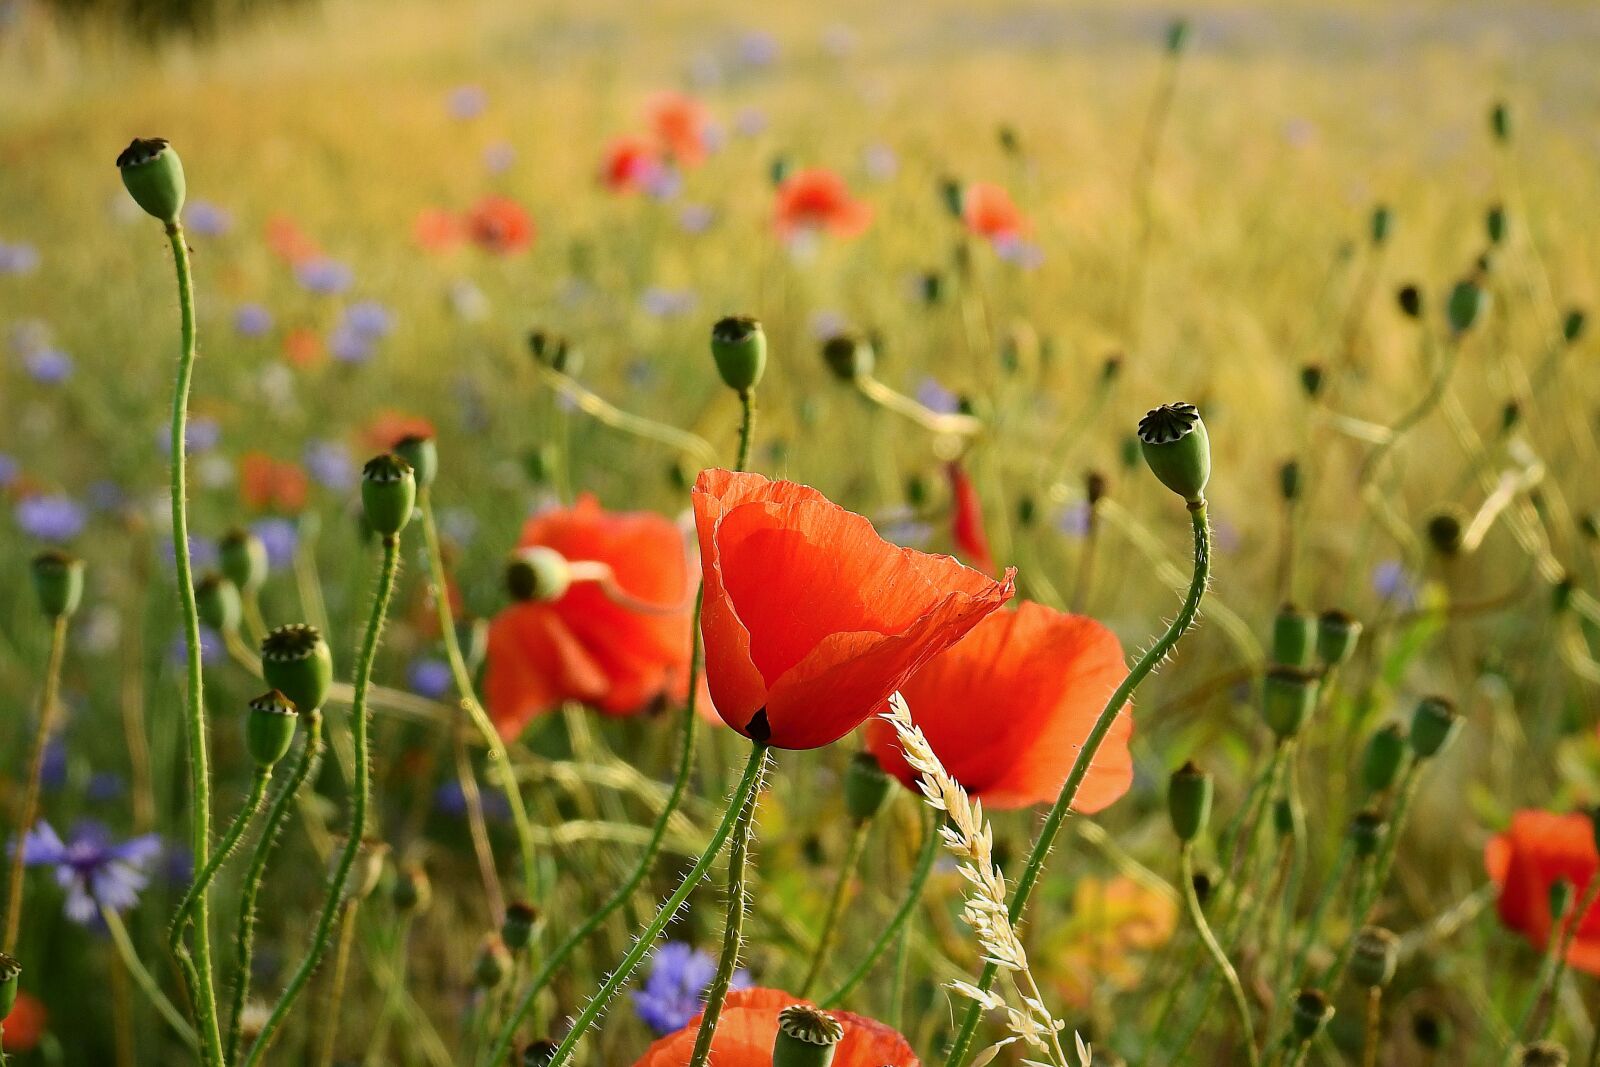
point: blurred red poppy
(629, 164)
(302, 347)
(817, 199)
(26, 1024)
(289, 242)
(811, 620)
(585, 646)
(966, 520)
(438, 230)
(1008, 706)
(1539, 849)
(989, 212)
(678, 123)
(266, 484)
(748, 1027)
(500, 225)
(389, 428)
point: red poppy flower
(500, 225)
(989, 212)
(817, 199)
(678, 123)
(966, 521)
(389, 428)
(289, 242)
(586, 646)
(628, 164)
(1007, 708)
(1538, 850)
(438, 230)
(811, 620)
(26, 1024)
(748, 1027)
(302, 347)
(265, 484)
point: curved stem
(738, 904)
(888, 399)
(225, 848)
(597, 407)
(1197, 916)
(341, 966)
(30, 796)
(1080, 766)
(361, 790)
(245, 931)
(146, 982)
(919, 881)
(1537, 1022)
(830, 918)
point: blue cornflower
(48, 366)
(666, 303)
(1018, 252)
(935, 397)
(450, 800)
(105, 785)
(50, 517)
(899, 525)
(1074, 519)
(498, 157)
(18, 258)
(54, 770)
(369, 319)
(468, 101)
(251, 320)
(1392, 582)
(96, 872)
(349, 346)
(212, 648)
(206, 219)
(280, 537)
(880, 162)
(826, 323)
(330, 464)
(429, 677)
(696, 218)
(9, 469)
(325, 277)
(675, 990)
(758, 49)
(750, 122)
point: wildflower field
(833, 534)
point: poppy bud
(778, 170)
(244, 560)
(1542, 1054)
(1027, 511)
(1445, 532)
(1178, 449)
(953, 196)
(1177, 35)
(1409, 297)
(1382, 218)
(1337, 636)
(219, 603)
(413, 890)
(1432, 726)
(269, 730)
(848, 356)
(388, 493)
(1294, 637)
(1189, 794)
(539, 1054)
(553, 351)
(422, 453)
(1288, 696)
(1095, 487)
(739, 346)
(1500, 121)
(1510, 415)
(1366, 831)
(537, 573)
(1380, 763)
(516, 931)
(1431, 1029)
(866, 787)
(1375, 955)
(1464, 305)
(295, 661)
(807, 1037)
(58, 583)
(1312, 377)
(10, 972)
(1572, 325)
(1312, 1010)
(1289, 481)
(1283, 817)
(493, 963)
(1494, 223)
(153, 175)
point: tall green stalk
(919, 881)
(48, 702)
(1197, 915)
(830, 919)
(225, 848)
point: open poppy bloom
(748, 1028)
(988, 211)
(438, 230)
(500, 225)
(811, 620)
(267, 484)
(817, 199)
(585, 645)
(289, 242)
(1539, 849)
(1007, 708)
(966, 521)
(678, 123)
(629, 165)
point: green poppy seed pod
(1177, 35)
(952, 194)
(916, 491)
(539, 1054)
(778, 170)
(1312, 1010)
(413, 890)
(1366, 831)
(807, 1037)
(1289, 481)
(1189, 793)
(1560, 894)
(849, 357)
(493, 963)
(1572, 325)
(1380, 762)
(1294, 637)
(1500, 121)
(739, 346)
(1409, 297)
(1178, 450)
(243, 558)
(1288, 695)
(1542, 1054)
(866, 787)
(1433, 724)
(10, 974)
(1312, 377)
(58, 583)
(931, 287)
(1464, 305)
(1382, 221)
(1338, 633)
(296, 661)
(1006, 135)
(1132, 451)
(269, 728)
(516, 930)
(1445, 530)
(153, 175)
(537, 573)
(219, 603)
(1494, 223)
(1374, 957)
(1111, 369)
(1027, 511)
(421, 452)
(388, 494)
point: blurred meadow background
(384, 199)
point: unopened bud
(269, 729)
(740, 349)
(493, 963)
(219, 604)
(243, 558)
(1288, 696)
(413, 889)
(422, 452)
(1312, 1010)
(516, 931)
(388, 493)
(58, 583)
(153, 176)
(1294, 637)
(1380, 763)
(1189, 794)
(1433, 725)
(849, 357)
(1338, 634)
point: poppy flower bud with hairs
(1189, 793)
(388, 494)
(1380, 762)
(537, 573)
(1312, 1010)
(1338, 633)
(1433, 725)
(1542, 1054)
(739, 346)
(1374, 957)
(297, 662)
(1294, 637)
(153, 176)
(849, 356)
(219, 603)
(1177, 449)
(516, 930)
(422, 453)
(10, 973)
(1288, 695)
(243, 558)
(1366, 831)
(866, 787)
(58, 583)
(807, 1037)
(269, 729)
(1409, 297)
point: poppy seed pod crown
(1312, 1010)
(1432, 726)
(739, 346)
(1542, 1054)
(153, 175)
(1375, 956)
(1177, 448)
(269, 730)
(807, 1037)
(1337, 635)
(296, 661)
(388, 493)
(537, 573)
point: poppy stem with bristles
(225, 848)
(1197, 915)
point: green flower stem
(1080, 766)
(48, 703)
(225, 848)
(245, 931)
(341, 967)
(1536, 1020)
(205, 995)
(499, 758)
(1197, 916)
(958, 425)
(143, 978)
(642, 944)
(919, 881)
(393, 981)
(1373, 1036)
(747, 427)
(598, 408)
(360, 795)
(738, 905)
(1319, 911)
(830, 918)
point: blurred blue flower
(50, 517)
(106, 785)
(674, 991)
(203, 552)
(9, 469)
(48, 366)
(880, 162)
(28, 335)
(251, 320)
(330, 464)
(200, 434)
(662, 183)
(176, 864)
(53, 772)
(369, 319)
(750, 122)
(935, 397)
(1392, 582)
(95, 871)
(459, 525)
(349, 346)
(107, 496)
(757, 48)
(429, 677)
(18, 258)
(212, 648)
(499, 157)
(666, 303)
(826, 323)
(280, 537)
(325, 277)
(641, 374)
(696, 218)
(206, 219)
(900, 526)
(467, 101)
(1018, 252)
(449, 800)
(1074, 519)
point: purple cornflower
(251, 320)
(750, 122)
(48, 366)
(349, 346)
(9, 469)
(325, 277)
(499, 157)
(53, 773)
(1074, 519)
(330, 464)
(1392, 582)
(450, 800)
(900, 525)
(369, 319)
(1018, 252)
(467, 101)
(758, 49)
(105, 785)
(18, 258)
(880, 162)
(826, 323)
(429, 677)
(206, 219)
(280, 537)
(50, 517)
(95, 871)
(674, 992)
(662, 183)
(935, 397)
(666, 303)
(695, 218)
